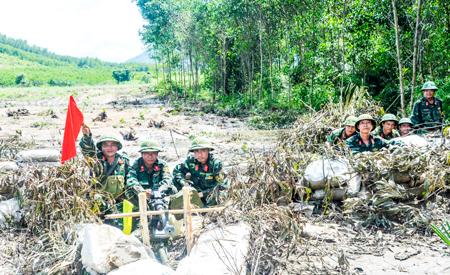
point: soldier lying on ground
(111, 171)
(206, 172)
(387, 128)
(341, 134)
(428, 113)
(405, 126)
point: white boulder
(218, 251)
(106, 248)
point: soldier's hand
(85, 130)
(187, 183)
(200, 195)
(148, 192)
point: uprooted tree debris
(403, 191)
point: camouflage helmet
(108, 137)
(389, 117)
(405, 120)
(201, 143)
(429, 85)
(150, 145)
(365, 117)
(350, 121)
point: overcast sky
(106, 29)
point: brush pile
(53, 200)
(404, 190)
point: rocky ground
(326, 247)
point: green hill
(24, 64)
(142, 58)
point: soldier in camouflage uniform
(206, 172)
(387, 128)
(341, 134)
(428, 114)
(148, 173)
(405, 126)
(364, 141)
(110, 173)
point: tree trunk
(164, 77)
(184, 75)
(192, 71)
(196, 79)
(157, 71)
(170, 75)
(416, 46)
(251, 81)
(224, 66)
(399, 60)
(261, 54)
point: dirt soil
(362, 251)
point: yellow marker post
(127, 221)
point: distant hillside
(21, 49)
(27, 65)
(142, 58)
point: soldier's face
(149, 157)
(405, 128)
(350, 130)
(202, 155)
(365, 126)
(109, 148)
(429, 94)
(388, 126)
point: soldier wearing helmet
(148, 173)
(364, 141)
(428, 113)
(405, 126)
(341, 134)
(206, 171)
(387, 128)
(111, 173)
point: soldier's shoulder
(438, 99)
(190, 158)
(420, 100)
(136, 163)
(215, 159)
(378, 139)
(337, 131)
(161, 162)
(125, 157)
(352, 139)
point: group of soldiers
(117, 178)
(361, 134)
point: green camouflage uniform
(379, 132)
(159, 176)
(357, 145)
(115, 183)
(204, 178)
(338, 135)
(427, 116)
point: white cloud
(106, 29)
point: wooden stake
(187, 217)
(144, 221)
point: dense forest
(299, 54)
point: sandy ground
(366, 254)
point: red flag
(74, 120)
